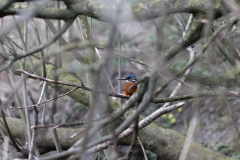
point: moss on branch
(166, 143)
(141, 11)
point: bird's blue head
(129, 78)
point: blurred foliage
(172, 118)
(236, 154)
(223, 149)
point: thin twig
(131, 59)
(192, 55)
(70, 84)
(189, 65)
(34, 132)
(134, 139)
(34, 105)
(23, 40)
(39, 48)
(193, 123)
(143, 149)
(156, 100)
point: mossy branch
(141, 11)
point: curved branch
(141, 11)
(46, 13)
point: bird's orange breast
(127, 89)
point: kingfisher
(130, 80)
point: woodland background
(60, 97)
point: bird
(130, 80)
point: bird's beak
(122, 79)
